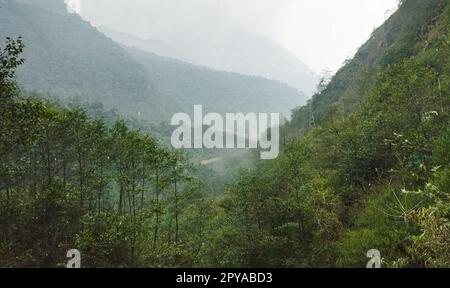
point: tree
(9, 61)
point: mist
(306, 28)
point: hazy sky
(321, 33)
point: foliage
(9, 61)
(67, 181)
(343, 188)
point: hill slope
(373, 174)
(404, 34)
(67, 57)
(221, 92)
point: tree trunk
(177, 238)
(155, 237)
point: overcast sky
(321, 33)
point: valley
(87, 160)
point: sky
(321, 33)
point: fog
(242, 35)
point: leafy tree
(9, 60)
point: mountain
(67, 57)
(232, 50)
(218, 91)
(405, 34)
(372, 176)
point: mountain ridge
(80, 62)
(237, 51)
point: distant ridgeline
(68, 58)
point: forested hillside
(217, 91)
(68, 58)
(69, 180)
(375, 171)
(405, 34)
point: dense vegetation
(376, 178)
(373, 175)
(71, 181)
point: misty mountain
(187, 85)
(230, 50)
(401, 36)
(68, 58)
